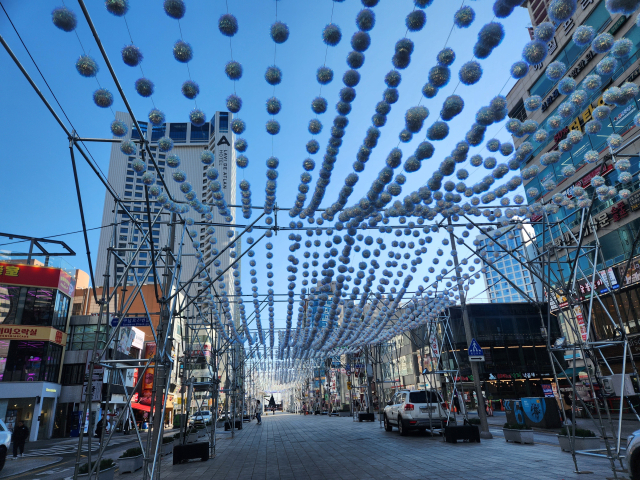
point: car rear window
(421, 397)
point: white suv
(416, 410)
(5, 443)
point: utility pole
(482, 412)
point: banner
(46, 334)
(580, 318)
(34, 276)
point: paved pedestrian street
(290, 447)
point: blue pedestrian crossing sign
(475, 352)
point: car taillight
(408, 406)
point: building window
(9, 299)
(24, 361)
(157, 133)
(178, 132)
(83, 337)
(73, 374)
(223, 122)
(200, 134)
(134, 131)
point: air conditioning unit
(612, 385)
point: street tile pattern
(295, 447)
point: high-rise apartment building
(614, 218)
(499, 290)
(189, 143)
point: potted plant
(584, 440)
(106, 470)
(474, 421)
(517, 433)
(167, 445)
(131, 460)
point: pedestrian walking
(19, 437)
(258, 413)
(99, 428)
(567, 407)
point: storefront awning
(569, 373)
(139, 406)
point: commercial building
(189, 143)
(515, 269)
(616, 220)
(35, 307)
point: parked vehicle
(633, 455)
(416, 410)
(5, 443)
(201, 418)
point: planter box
(130, 464)
(518, 436)
(581, 443)
(103, 475)
(167, 448)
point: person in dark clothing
(19, 437)
(567, 406)
(99, 428)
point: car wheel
(401, 427)
(3, 456)
(387, 426)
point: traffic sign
(475, 352)
(130, 322)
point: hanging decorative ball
(313, 147)
(541, 135)
(173, 161)
(578, 98)
(331, 35)
(351, 78)
(391, 95)
(597, 181)
(438, 131)
(87, 66)
(279, 32)
(238, 126)
(365, 20)
(625, 7)
(324, 75)
(491, 35)
(601, 113)
(197, 117)
(273, 127)
(179, 176)
(607, 66)
(622, 48)
(470, 73)
(567, 86)
(591, 156)
(493, 145)
(534, 52)
(319, 105)
(533, 193)
(242, 161)
(165, 144)
(355, 59)
(463, 17)
(513, 126)
(234, 103)
(175, 8)
(429, 91)
(138, 165)
(556, 70)
(417, 19)
(103, 98)
(128, 147)
(451, 107)
(544, 31)
(414, 118)
(560, 11)
(565, 145)
(119, 128)
(190, 89)
(212, 174)
(131, 55)
(156, 117)
(629, 90)
(273, 75)
(118, 8)
(144, 87)
(308, 164)
(532, 103)
(554, 122)
(614, 141)
(506, 149)
(206, 157)
(233, 70)
(519, 70)
(64, 19)
(273, 106)
(439, 76)
(593, 127)
(228, 25)
(405, 136)
(490, 163)
(315, 127)
(583, 35)
(602, 43)
(183, 52)
(624, 193)
(360, 41)
(568, 171)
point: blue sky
(38, 192)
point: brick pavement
(293, 447)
